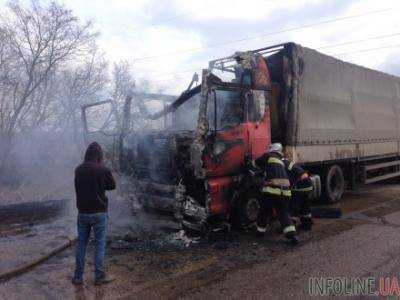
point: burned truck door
(227, 138)
(100, 123)
(258, 122)
(99, 118)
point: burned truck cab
(195, 169)
(233, 127)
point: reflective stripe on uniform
(279, 182)
(306, 189)
(261, 229)
(291, 165)
(277, 191)
(306, 216)
(273, 160)
(290, 228)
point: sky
(168, 40)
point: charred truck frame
(338, 119)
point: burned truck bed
(157, 161)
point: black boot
(306, 223)
(292, 237)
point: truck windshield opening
(224, 109)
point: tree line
(51, 65)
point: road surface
(336, 258)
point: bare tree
(41, 39)
(123, 82)
(122, 86)
(79, 85)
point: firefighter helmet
(275, 147)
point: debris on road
(154, 242)
(181, 238)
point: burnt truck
(340, 120)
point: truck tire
(334, 184)
(245, 212)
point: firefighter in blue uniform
(275, 191)
(301, 188)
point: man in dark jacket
(92, 179)
(275, 191)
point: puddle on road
(20, 218)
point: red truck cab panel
(226, 156)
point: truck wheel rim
(252, 209)
(336, 183)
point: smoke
(39, 167)
(126, 213)
(185, 117)
(41, 135)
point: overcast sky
(168, 40)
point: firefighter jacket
(276, 179)
(299, 179)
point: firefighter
(301, 188)
(275, 191)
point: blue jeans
(87, 222)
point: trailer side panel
(335, 110)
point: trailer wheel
(334, 184)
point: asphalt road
(349, 256)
